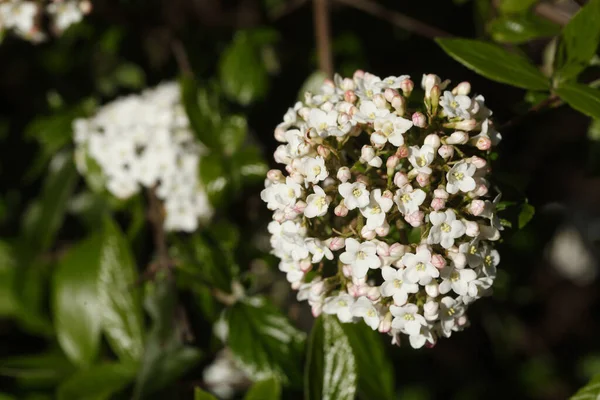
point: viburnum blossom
(386, 214)
(145, 141)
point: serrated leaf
(582, 98)
(580, 39)
(495, 63)
(330, 370)
(75, 306)
(200, 394)
(269, 389)
(264, 343)
(521, 28)
(99, 382)
(119, 295)
(526, 214)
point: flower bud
(423, 179)
(281, 155)
(323, 151)
(344, 174)
(415, 219)
(348, 84)
(397, 250)
(399, 104)
(419, 120)
(466, 125)
(402, 151)
(390, 94)
(304, 112)
(340, 210)
(295, 285)
(367, 153)
(446, 151)
(428, 82)
(438, 261)
(316, 309)
(462, 320)
(463, 88)
(363, 179)
(367, 234)
(472, 228)
(392, 162)
(280, 134)
(337, 243)
(458, 259)
(279, 216)
(358, 74)
(483, 143)
(376, 162)
(433, 140)
(432, 289)
(317, 288)
(380, 101)
(347, 271)
(440, 193)
(383, 230)
(327, 106)
(407, 87)
(387, 194)
(305, 265)
(343, 118)
(299, 206)
(480, 190)
(85, 6)
(382, 249)
(386, 323)
(435, 98)
(438, 204)
(275, 175)
(373, 293)
(478, 162)
(458, 137)
(430, 310)
(400, 179)
(476, 207)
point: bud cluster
(24, 18)
(145, 141)
(383, 213)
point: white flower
(321, 121)
(287, 193)
(396, 285)
(421, 158)
(361, 256)
(409, 200)
(355, 194)
(418, 266)
(390, 128)
(293, 271)
(392, 82)
(457, 280)
(456, 106)
(407, 319)
(316, 203)
(375, 211)
(314, 169)
(341, 306)
(368, 86)
(65, 13)
(19, 15)
(445, 228)
(369, 112)
(450, 311)
(364, 308)
(319, 250)
(460, 177)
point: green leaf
(264, 343)
(8, 302)
(243, 75)
(165, 358)
(44, 369)
(44, 217)
(495, 63)
(248, 167)
(131, 76)
(580, 39)
(516, 6)
(521, 28)
(119, 295)
(331, 370)
(375, 370)
(582, 98)
(75, 305)
(202, 109)
(99, 382)
(233, 133)
(214, 177)
(200, 394)
(591, 391)
(526, 214)
(269, 389)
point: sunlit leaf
(582, 98)
(269, 389)
(521, 28)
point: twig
(156, 218)
(181, 57)
(552, 13)
(550, 101)
(396, 18)
(323, 36)
(286, 9)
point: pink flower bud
(438, 204)
(440, 193)
(472, 228)
(280, 134)
(400, 179)
(428, 82)
(305, 265)
(373, 294)
(275, 175)
(423, 179)
(480, 190)
(463, 88)
(350, 96)
(317, 288)
(363, 179)
(397, 250)
(483, 143)
(407, 87)
(462, 320)
(350, 288)
(433, 140)
(476, 207)
(348, 84)
(85, 6)
(432, 289)
(323, 151)
(337, 243)
(296, 285)
(458, 137)
(380, 101)
(415, 219)
(399, 104)
(316, 309)
(340, 210)
(402, 151)
(478, 162)
(389, 94)
(387, 194)
(446, 151)
(358, 74)
(367, 234)
(430, 309)
(383, 249)
(383, 230)
(438, 261)
(419, 120)
(429, 345)
(392, 161)
(386, 323)
(347, 271)
(466, 125)
(344, 174)
(297, 177)
(367, 153)
(299, 207)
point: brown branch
(553, 13)
(403, 21)
(181, 57)
(323, 36)
(551, 101)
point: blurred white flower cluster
(223, 377)
(145, 141)
(24, 17)
(384, 213)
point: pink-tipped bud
(419, 120)
(483, 143)
(343, 118)
(295, 285)
(389, 94)
(380, 101)
(348, 84)
(446, 151)
(430, 310)
(387, 194)
(373, 294)
(279, 216)
(397, 250)
(383, 230)
(323, 151)
(350, 96)
(480, 190)
(367, 153)
(432, 289)
(280, 134)
(386, 323)
(305, 265)
(423, 179)
(462, 320)
(358, 74)
(344, 174)
(476, 207)
(466, 125)
(472, 228)
(433, 140)
(392, 162)
(316, 309)
(407, 87)
(299, 207)
(438, 204)
(415, 219)
(441, 193)
(347, 271)
(363, 179)
(399, 104)
(317, 288)
(463, 88)
(458, 137)
(400, 179)
(382, 249)
(438, 261)
(352, 111)
(402, 151)
(367, 234)
(337, 243)
(275, 175)
(340, 210)
(478, 162)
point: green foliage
(516, 6)
(8, 303)
(264, 343)
(521, 28)
(582, 98)
(269, 389)
(200, 394)
(76, 309)
(495, 63)
(590, 391)
(331, 367)
(39, 370)
(525, 214)
(99, 382)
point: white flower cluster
(223, 377)
(369, 165)
(23, 17)
(145, 141)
